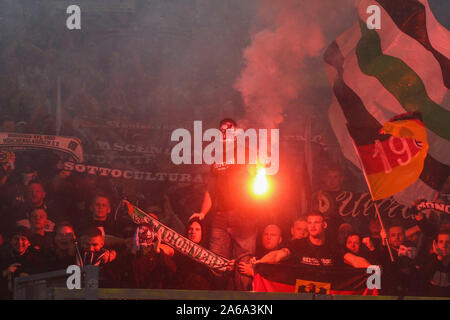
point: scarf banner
(177, 241)
(134, 175)
(23, 141)
(307, 279)
(437, 206)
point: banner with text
(23, 141)
(177, 241)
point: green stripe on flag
(412, 18)
(401, 81)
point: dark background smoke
(177, 60)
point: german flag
(311, 279)
(393, 156)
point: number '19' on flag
(392, 156)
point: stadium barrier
(52, 286)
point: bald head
(271, 237)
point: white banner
(23, 141)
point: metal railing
(52, 286)
(45, 286)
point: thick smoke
(281, 62)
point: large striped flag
(393, 156)
(380, 73)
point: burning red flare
(260, 185)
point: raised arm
(355, 261)
(206, 206)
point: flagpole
(373, 200)
(382, 228)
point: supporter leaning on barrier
(316, 250)
(271, 240)
(364, 249)
(94, 253)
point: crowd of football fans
(53, 218)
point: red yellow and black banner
(393, 156)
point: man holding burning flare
(233, 231)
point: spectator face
(396, 236)
(35, 194)
(374, 228)
(443, 244)
(299, 230)
(316, 226)
(195, 232)
(101, 208)
(271, 237)
(334, 180)
(353, 243)
(64, 237)
(20, 243)
(38, 219)
(93, 244)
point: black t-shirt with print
(435, 276)
(226, 186)
(304, 252)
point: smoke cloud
(282, 62)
